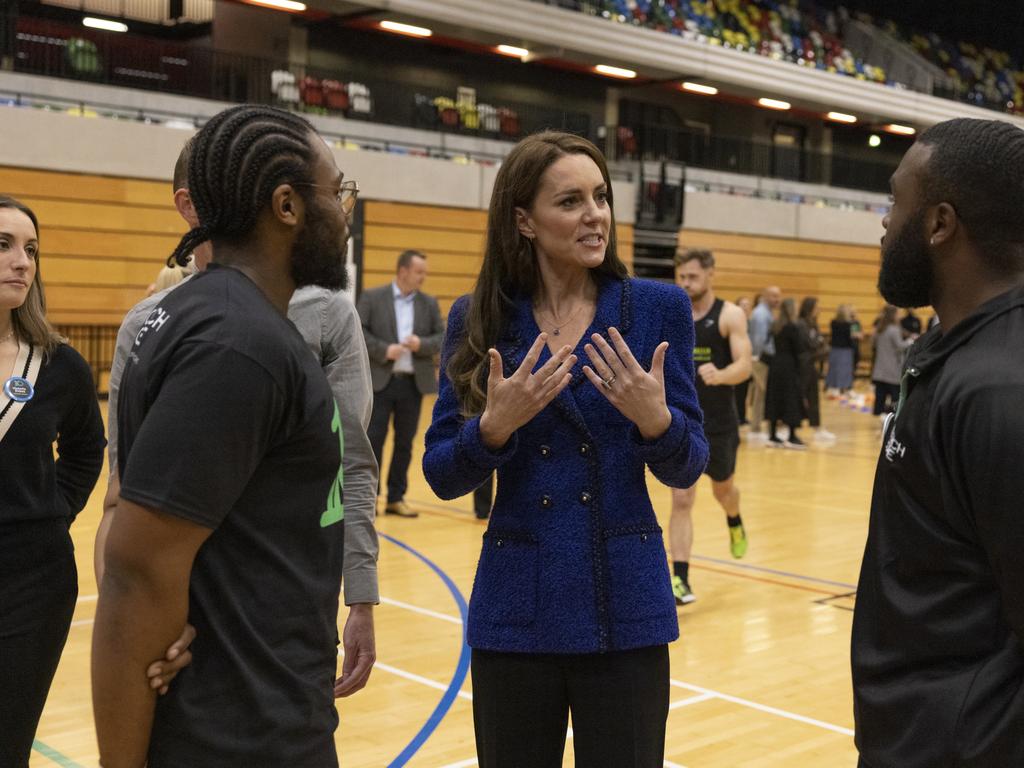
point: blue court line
(762, 569)
(54, 755)
(461, 669)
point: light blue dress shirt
(404, 315)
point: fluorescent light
(513, 50)
(110, 26)
(841, 117)
(606, 69)
(903, 130)
(774, 103)
(281, 5)
(709, 90)
(405, 29)
(874, 140)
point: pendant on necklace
(555, 332)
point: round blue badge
(18, 389)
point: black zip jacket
(938, 631)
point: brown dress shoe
(401, 509)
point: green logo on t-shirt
(335, 511)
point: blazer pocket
(639, 583)
(505, 591)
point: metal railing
(754, 158)
(57, 50)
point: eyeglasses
(345, 194)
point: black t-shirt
(718, 402)
(841, 338)
(227, 420)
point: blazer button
(545, 451)
(585, 498)
(546, 501)
(584, 449)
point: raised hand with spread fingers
(638, 395)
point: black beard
(906, 276)
(319, 250)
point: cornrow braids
(238, 158)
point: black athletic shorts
(722, 463)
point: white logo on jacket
(894, 447)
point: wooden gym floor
(760, 675)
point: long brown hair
(787, 315)
(510, 266)
(29, 320)
(887, 318)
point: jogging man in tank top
(721, 356)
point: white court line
(691, 700)
(414, 678)
(706, 692)
(765, 708)
(87, 598)
(424, 611)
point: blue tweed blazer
(573, 559)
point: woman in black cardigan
(47, 396)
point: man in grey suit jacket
(403, 332)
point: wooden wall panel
(835, 273)
(452, 238)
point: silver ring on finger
(608, 382)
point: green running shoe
(682, 591)
(737, 541)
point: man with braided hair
(230, 509)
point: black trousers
(402, 399)
(886, 397)
(38, 590)
(619, 705)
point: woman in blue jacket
(568, 378)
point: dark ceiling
(996, 23)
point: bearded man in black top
(938, 631)
(230, 508)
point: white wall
(49, 140)
(756, 216)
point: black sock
(734, 522)
(681, 568)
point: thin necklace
(9, 335)
(557, 329)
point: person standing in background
(813, 349)
(891, 344)
(403, 331)
(741, 389)
(784, 398)
(763, 346)
(840, 357)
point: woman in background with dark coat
(784, 400)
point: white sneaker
(757, 438)
(784, 432)
(822, 435)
